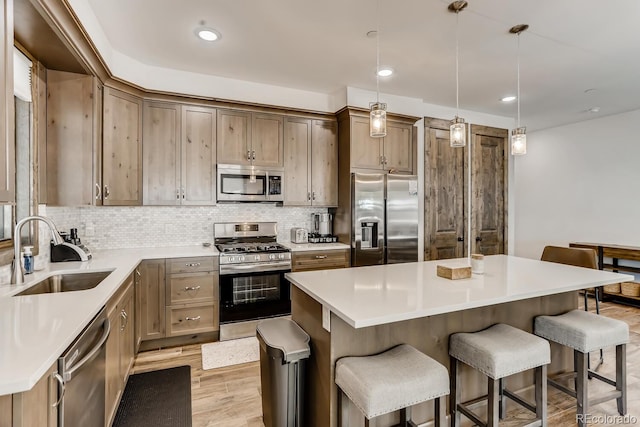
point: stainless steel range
(252, 283)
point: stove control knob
(256, 257)
(281, 256)
(272, 256)
(241, 258)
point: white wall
(579, 183)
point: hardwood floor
(230, 396)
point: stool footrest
(562, 388)
(471, 415)
(601, 378)
(519, 400)
(604, 397)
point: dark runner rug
(158, 398)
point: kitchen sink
(66, 283)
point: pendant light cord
(457, 79)
(378, 51)
(518, 83)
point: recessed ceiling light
(593, 110)
(207, 34)
(508, 98)
(385, 72)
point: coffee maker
(322, 224)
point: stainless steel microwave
(239, 183)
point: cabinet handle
(138, 273)
(192, 318)
(61, 388)
(98, 192)
(248, 155)
(192, 288)
(106, 191)
(177, 193)
(478, 239)
(253, 155)
(192, 264)
(321, 256)
(182, 191)
(313, 195)
(308, 196)
(125, 318)
(460, 239)
(382, 160)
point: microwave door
(239, 187)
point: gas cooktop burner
(243, 248)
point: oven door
(253, 295)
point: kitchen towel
(232, 352)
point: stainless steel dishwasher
(81, 369)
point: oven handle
(284, 266)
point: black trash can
(284, 350)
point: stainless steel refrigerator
(384, 215)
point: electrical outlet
(89, 231)
(326, 318)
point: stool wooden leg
(582, 395)
(503, 399)
(621, 377)
(456, 394)
(541, 393)
(493, 405)
(404, 417)
(440, 418)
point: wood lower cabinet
(120, 346)
(33, 407)
(73, 139)
(121, 148)
(310, 162)
(192, 296)
(150, 299)
(320, 260)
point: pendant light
(378, 110)
(457, 130)
(518, 135)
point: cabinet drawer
(192, 319)
(191, 265)
(191, 288)
(320, 260)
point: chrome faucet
(17, 275)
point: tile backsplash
(109, 227)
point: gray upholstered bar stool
(497, 352)
(585, 332)
(393, 380)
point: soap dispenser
(27, 255)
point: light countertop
(375, 295)
(301, 247)
(36, 329)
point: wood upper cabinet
(398, 147)
(198, 153)
(7, 120)
(161, 153)
(310, 162)
(122, 148)
(393, 153)
(324, 163)
(73, 139)
(179, 152)
(246, 138)
(150, 298)
(366, 152)
(266, 139)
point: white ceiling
(321, 46)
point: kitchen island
(366, 310)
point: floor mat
(158, 398)
(232, 352)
